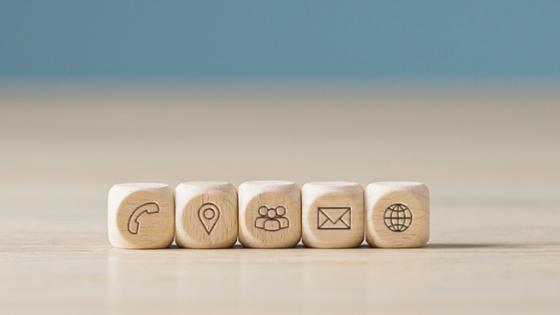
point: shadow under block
(141, 215)
(206, 215)
(332, 214)
(269, 214)
(397, 214)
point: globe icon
(398, 217)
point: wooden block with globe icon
(332, 214)
(269, 214)
(141, 215)
(205, 215)
(397, 214)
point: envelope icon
(334, 218)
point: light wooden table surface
(490, 157)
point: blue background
(292, 39)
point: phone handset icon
(148, 207)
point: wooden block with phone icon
(206, 215)
(397, 214)
(141, 215)
(269, 214)
(332, 214)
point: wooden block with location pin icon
(206, 215)
(141, 215)
(269, 214)
(397, 214)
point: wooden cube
(141, 215)
(332, 214)
(397, 214)
(269, 214)
(206, 215)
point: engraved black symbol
(208, 214)
(397, 217)
(133, 223)
(272, 219)
(334, 218)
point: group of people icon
(272, 219)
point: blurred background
(461, 95)
(288, 40)
(93, 93)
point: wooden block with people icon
(269, 214)
(272, 219)
(141, 215)
(397, 214)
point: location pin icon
(208, 214)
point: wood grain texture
(206, 215)
(269, 214)
(141, 215)
(397, 214)
(488, 157)
(332, 214)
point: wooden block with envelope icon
(334, 218)
(332, 214)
